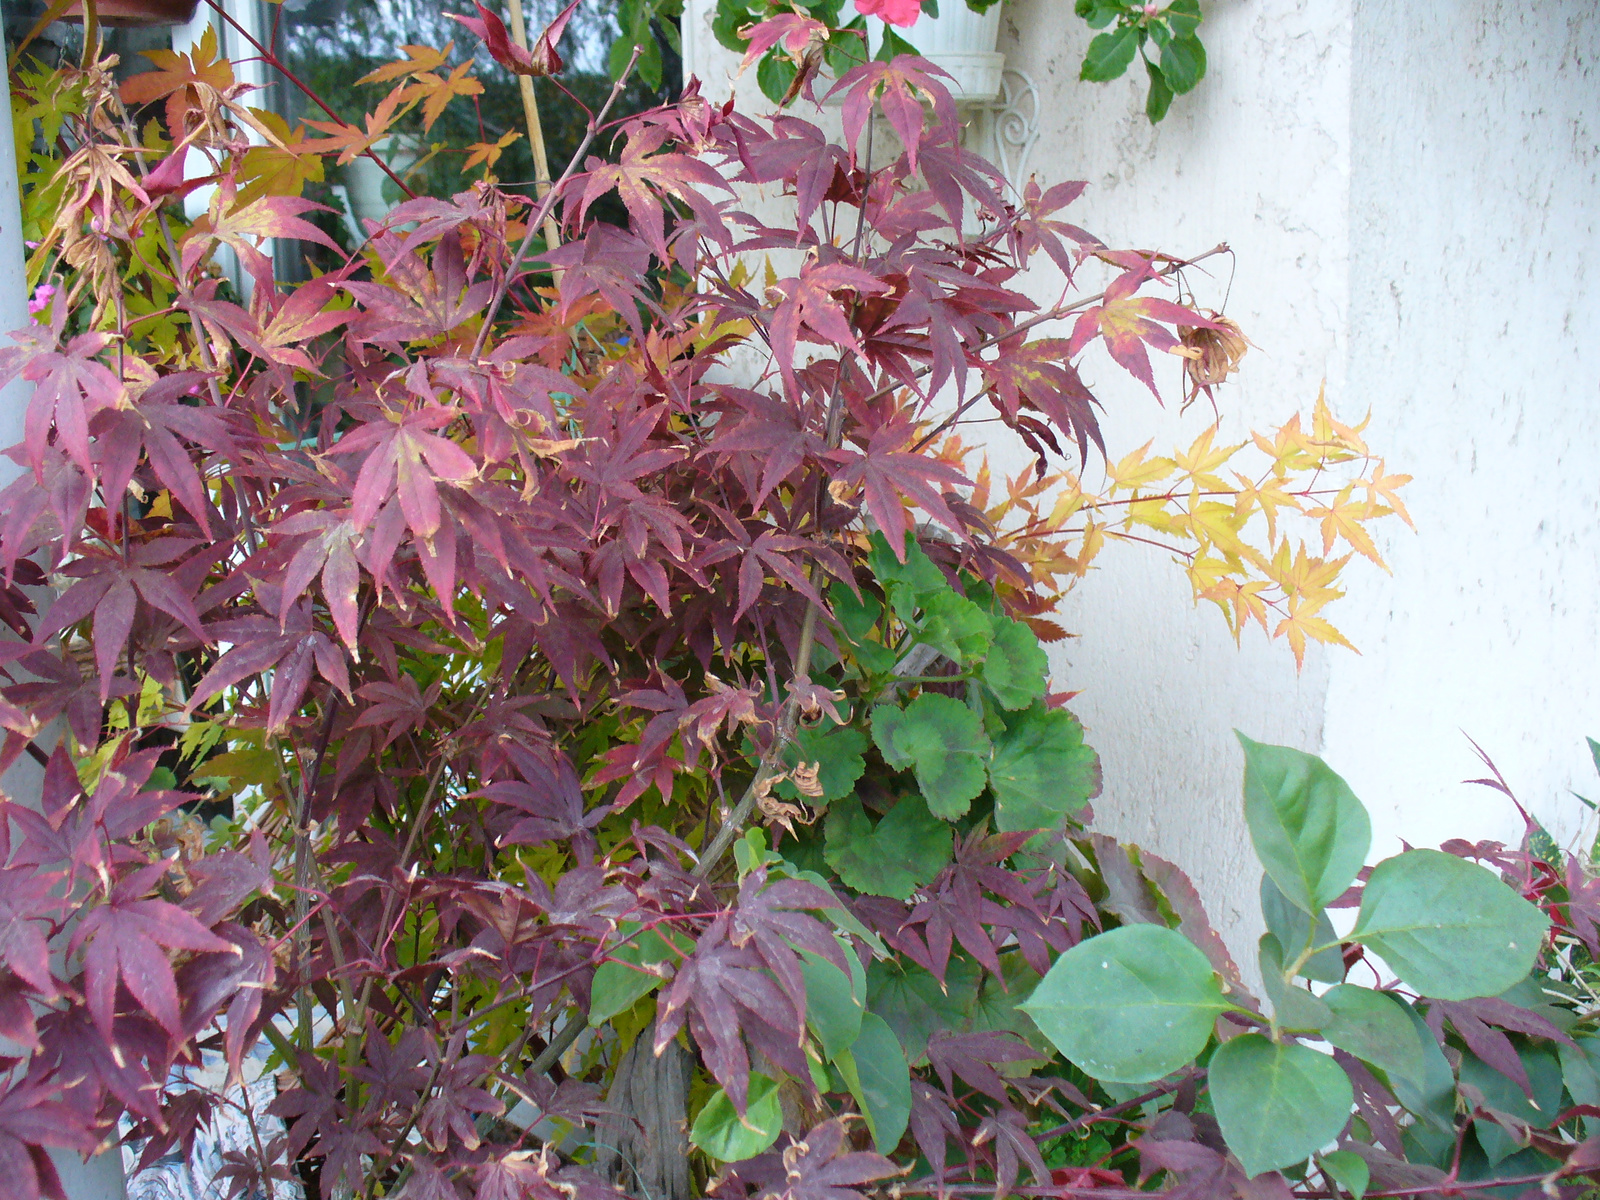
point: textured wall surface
(1257, 156)
(1475, 288)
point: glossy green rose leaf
(1130, 1005)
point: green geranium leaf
(1448, 927)
(1016, 668)
(1130, 1005)
(906, 849)
(1294, 930)
(914, 1003)
(1109, 54)
(1041, 773)
(838, 752)
(1376, 1028)
(1183, 63)
(955, 627)
(874, 1068)
(1348, 1169)
(855, 615)
(834, 1001)
(917, 574)
(1310, 832)
(943, 742)
(1277, 1103)
(721, 1134)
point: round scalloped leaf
(1130, 1005)
(1277, 1103)
(837, 751)
(1041, 773)
(1014, 671)
(1448, 927)
(943, 742)
(721, 1134)
(906, 849)
(955, 627)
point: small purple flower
(42, 296)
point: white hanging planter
(960, 41)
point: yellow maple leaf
(1267, 497)
(1302, 623)
(488, 153)
(436, 91)
(1202, 459)
(282, 169)
(1218, 524)
(1343, 519)
(1339, 442)
(1135, 471)
(1381, 486)
(419, 60)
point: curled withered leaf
(805, 777)
(1211, 354)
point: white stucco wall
(1475, 290)
(1258, 157)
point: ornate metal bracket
(1005, 129)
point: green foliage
(1276, 1102)
(874, 1068)
(1141, 1001)
(1041, 772)
(1447, 927)
(905, 849)
(1162, 36)
(1130, 1005)
(722, 1133)
(942, 741)
(1310, 832)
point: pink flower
(895, 12)
(41, 298)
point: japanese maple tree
(616, 691)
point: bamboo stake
(530, 110)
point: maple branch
(547, 205)
(273, 61)
(1051, 314)
(530, 113)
